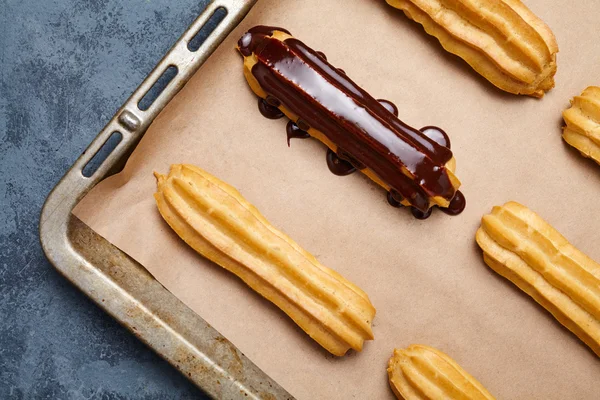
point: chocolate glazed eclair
(415, 167)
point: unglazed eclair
(500, 39)
(582, 120)
(519, 245)
(423, 373)
(216, 221)
(415, 167)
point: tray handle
(130, 121)
(56, 222)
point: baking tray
(116, 282)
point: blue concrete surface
(66, 66)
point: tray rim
(120, 285)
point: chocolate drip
(418, 214)
(391, 107)
(366, 132)
(437, 135)
(457, 204)
(342, 71)
(294, 132)
(302, 125)
(394, 198)
(344, 155)
(268, 110)
(323, 56)
(337, 165)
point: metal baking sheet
(116, 282)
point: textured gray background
(66, 66)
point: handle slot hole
(102, 154)
(203, 33)
(158, 87)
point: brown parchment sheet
(426, 278)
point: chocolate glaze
(253, 38)
(391, 107)
(337, 165)
(367, 132)
(294, 132)
(323, 56)
(268, 110)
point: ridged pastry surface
(582, 119)
(500, 39)
(216, 221)
(519, 245)
(423, 373)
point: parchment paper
(427, 278)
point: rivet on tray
(129, 121)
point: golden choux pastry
(424, 373)
(216, 221)
(519, 245)
(500, 39)
(415, 166)
(583, 123)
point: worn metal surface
(65, 68)
(121, 286)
